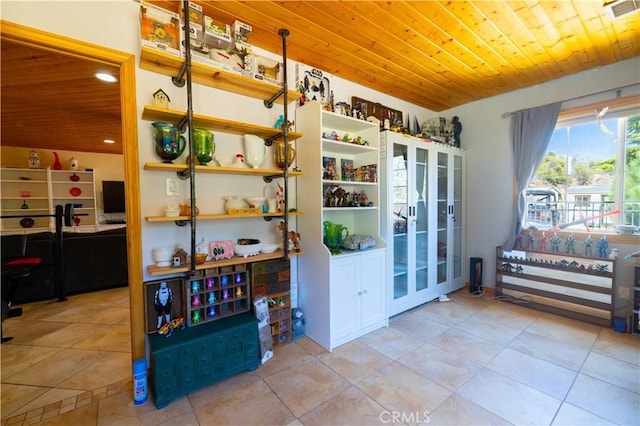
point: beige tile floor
(470, 361)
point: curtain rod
(618, 92)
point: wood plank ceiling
(435, 54)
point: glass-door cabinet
(421, 219)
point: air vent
(619, 8)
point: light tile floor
(471, 361)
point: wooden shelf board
(162, 63)
(215, 124)
(341, 147)
(215, 217)
(235, 260)
(172, 167)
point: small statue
(542, 242)
(571, 244)
(588, 243)
(211, 312)
(195, 303)
(239, 292)
(603, 246)
(555, 243)
(195, 286)
(457, 129)
(34, 161)
(530, 241)
(195, 316)
(212, 298)
(209, 283)
(225, 294)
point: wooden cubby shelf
(215, 124)
(162, 63)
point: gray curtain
(531, 131)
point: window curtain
(531, 131)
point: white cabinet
(33, 194)
(357, 295)
(422, 218)
(342, 294)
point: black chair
(16, 268)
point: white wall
(486, 138)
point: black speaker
(475, 274)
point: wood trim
(35, 38)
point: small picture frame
(348, 172)
(329, 168)
(162, 302)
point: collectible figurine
(224, 280)
(195, 286)
(195, 317)
(238, 279)
(457, 129)
(195, 303)
(211, 312)
(530, 241)
(297, 324)
(239, 292)
(603, 246)
(571, 244)
(588, 243)
(225, 294)
(555, 243)
(162, 301)
(542, 242)
(212, 298)
(209, 283)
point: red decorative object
(57, 165)
(74, 178)
(75, 191)
(76, 220)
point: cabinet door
(373, 291)
(345, 301)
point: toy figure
(238, 278)
(530, 240)
(212, 298)
(162, 300)
(195, 303)
(571, 244)
(297, 323)
(588, 243)
(209, 283)
(225, 294)
(195, 286)
(211, 312)
(457, 129)
(195, 316)
(224, 280)
(603, 246)
(239, 292)
(542, 242)
(555, 243)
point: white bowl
(269, 248)
(162, 255)
(255, 202)
(247, 247)
(172, 212)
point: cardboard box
(159, 29)
(241, 32)
(267, 69)
(314, 84)
(217, 34)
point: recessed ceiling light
(106, 77)
(109, 141)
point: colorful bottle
(139, 381)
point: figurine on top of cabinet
(603, 246)
(588, 244)
(34, 161)
(161, 99)
(457, 129)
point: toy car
(167, 329)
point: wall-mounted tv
(113, 196)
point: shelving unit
(156, 61)
(218, 293)
(272, 279)
(343, 295)
(38, 191)
(571, 285)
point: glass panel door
(457, 216)
(422, 219)
(443, 216)
(400, 196)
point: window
(589, 178)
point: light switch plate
(173, 187)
